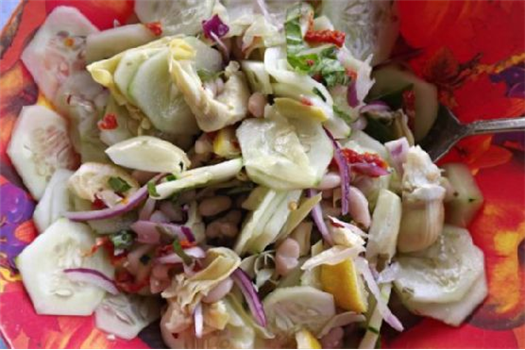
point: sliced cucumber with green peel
(110, 42)
(467, 198)
(128, 67)
(442, 273)
(55, 202)
(176, 17)
(393, 78)
(159, 98)
(453, 313)
(62, 246)
(289, 310)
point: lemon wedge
(291, 108)
(306, 340)
(345, 284)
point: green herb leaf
(323, 64)
(206, 75)
(318, 93)
(152, 189)
(177, 248)
(171, 177)
(123, 239)
(341, 114)
(118, 184)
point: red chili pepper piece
(325, 36)
(155, 28)
(108, 122)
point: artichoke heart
(422, 200)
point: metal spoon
(448, 130)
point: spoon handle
(496, 126)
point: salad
(244, 173)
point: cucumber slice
(56, 51)
(290, 309)
(382, 236)
(467, 199)
(149, 153)
(371, 27)
(317, 144)
(159, 98)
(176, 17)
(63, 245)
(279, 156)
(128, 67)
(126, 126)
(108, 43)
(37, 149)
(392, 78)
(55, 201)
(442, 273)
(206, 57)
(453, 313)
(126, 315)
(83, 100)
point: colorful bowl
(474, 51)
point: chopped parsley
(152, 189)
(118, 184)
(123, 239)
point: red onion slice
(317, 216)
(351, 94)
(344, 172)
(127, 205)
(398, 150)
(242, 280)
(369, 169)
(148, 231)
(147, 209)
(194, 252)
(375, 106)
(198, 320)
(93, 277)
(215, 26)
(363, 267)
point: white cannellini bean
(214, 205)
(334, 339)
(172, 213)
(256, 104)
(329, 181)
(203, 145)
(287, 256)
(301, 234)
(219, 292)
(219, 228)
(358, 207)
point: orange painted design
(26, 232)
